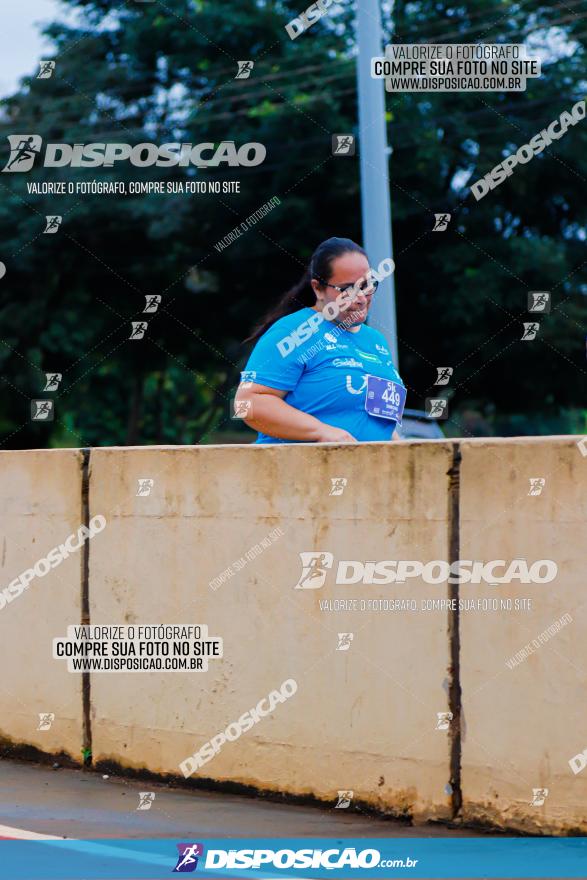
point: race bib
(385, 399)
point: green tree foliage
(164, 71)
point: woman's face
(345, 272)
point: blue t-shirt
(324, 369)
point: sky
(21, 45)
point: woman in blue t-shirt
(318, 373)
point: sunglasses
(367, 288)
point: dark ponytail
(302, 294)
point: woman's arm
(271, 415)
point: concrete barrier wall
(524, 722)
(40, 507)
(363, 719)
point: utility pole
(373, 156)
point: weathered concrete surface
(77, 803)
(522, 725)
(40, 507)
(363, 719)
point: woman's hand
(328, 434)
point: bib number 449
(391, 395)
(385, 399)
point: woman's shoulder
(375, 338)
(289, 322)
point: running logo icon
(530, 331)
(53, 222)
(42, 410)
(539, 301)
(343, 145)
(46, 69)
(146, 799)
(242, 409)
(436, 407)
(444, 375)
(46, 719)
(244, 69)
(344, 641)
(152, 303)
(24, 149)
(314, 568)
(338, 485)
(139, 328)
(52, 381)
(443, 720)
(537, 484)
(187, 860)
(441, 222)
(539, 795)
